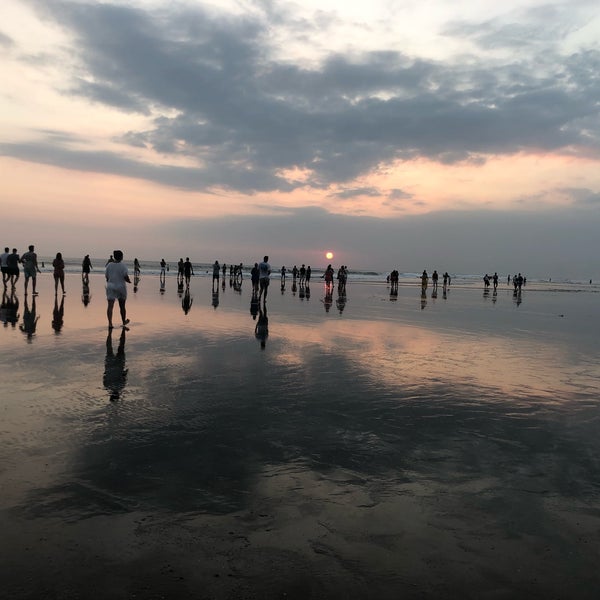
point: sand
(398, 448)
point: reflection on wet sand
(115, 370)
(58, 314)
(389, 452)
(30, 318)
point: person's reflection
(30, 319)
(85, 289)
(186, 301)
(261, 331)
(282, 287)
(115, 369)
(58, 314)
(162, 281)
(328, 299)
(494, 295)
(11, 308)
(423, 298)
(294, 287)
(445, 291)
(136, 283)
(341, 299)
(517, 296)
(215, 298)
(254, 303)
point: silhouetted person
(188, 270)
(424, 281)
(216, 274)
(12, 260)
(136, 266)
(59, 273)
(434, 279)
(30, 269)
(86, 266)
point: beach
(378, 446)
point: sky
(462, 135)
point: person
(302, 274)
(495, 280)
(180, 272)
(216, 273)
(295, 273)
(424, 281)
(4, 265)
(434, 279)
(188, 270)
(283, 270)
(30, 268)
(254, 276)
(12, 261)
(86, 266)
(308, 274)
(264, 274)
(136, 266)
(328, 275)
(117, 276)
(111, 259)
(163, 266)
(446, 277)
(59, 273)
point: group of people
(9, 264)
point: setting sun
(329, 255)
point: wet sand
(403, 447)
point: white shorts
(116, 292)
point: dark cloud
(221, 97)
(6, 41)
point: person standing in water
(264, 274)
(30, 268)
(117, 276)
(59, 273)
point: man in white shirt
(264, 273)
(4, 266)
(117, 276)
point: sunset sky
(461, 135)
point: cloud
(218, 93)
(6, 41)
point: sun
(329, 255)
